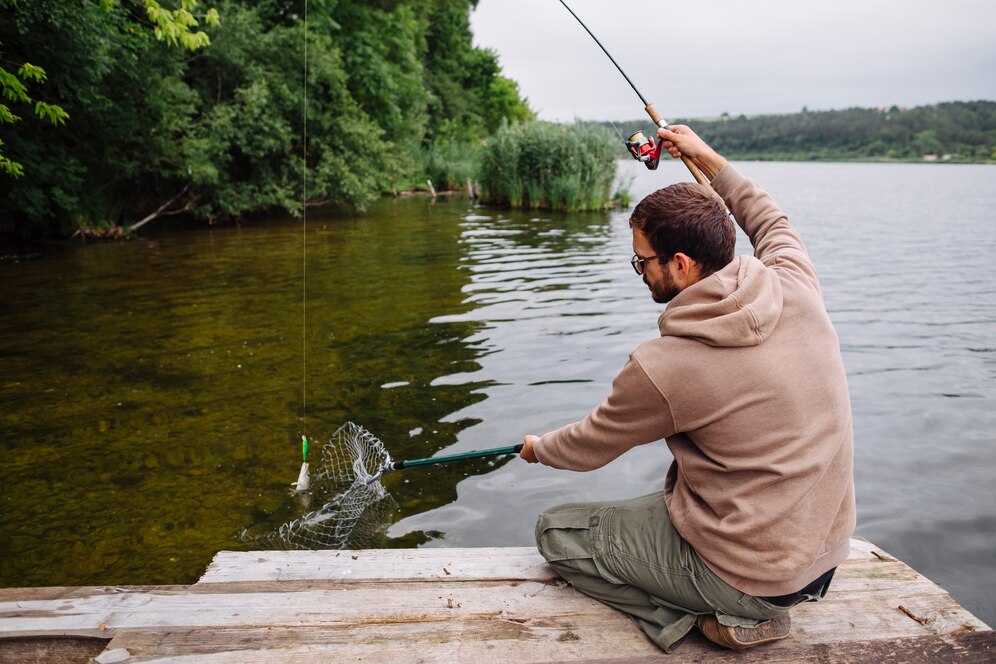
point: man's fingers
(527, 452)
(668, 142)
(666, 134)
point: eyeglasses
(639, 264)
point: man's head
(686, 230)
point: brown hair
(687, 217)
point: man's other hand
(528, 453)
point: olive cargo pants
(627, 555)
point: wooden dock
(455, 605)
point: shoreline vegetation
(119, 113)
(951, 132)
(226, 109)
(542, 165)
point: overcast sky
(701, 58)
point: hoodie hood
(737, 306)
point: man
(747, 385)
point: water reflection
(153, 389)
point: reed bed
(541, 165)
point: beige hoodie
(747, 385)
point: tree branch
(160, 211)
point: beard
(663, 291)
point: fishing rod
(642, 148)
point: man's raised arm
(775, 243)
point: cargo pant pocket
(573, 533)
(563, 534)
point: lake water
(154, 391)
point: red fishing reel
(644, 149)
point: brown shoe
(744, 637)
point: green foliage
(175, 26)
(14, 90)
(503, 103)
(158, 97)
(965, 131)
(462, 79)
(51, 112)
(246, 154)
(543, 165)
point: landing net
(355, 506)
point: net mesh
(355, 506)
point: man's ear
(685, 265)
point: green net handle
(474, 454)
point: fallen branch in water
(112, 233)
(160, 211)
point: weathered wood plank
(582, 638)
(302, 603)
(57, 650)
(495, 640)
(478, 564)
(395, 564)
(483, 605)
(973, 648)
(861, 615)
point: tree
(173, 109)
(175, 26)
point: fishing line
(621, 137)
(304, 230)
(303, 478)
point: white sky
(701, 58)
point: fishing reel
(644, 149)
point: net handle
(474, 454)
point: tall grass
(450, 164)
(540, 165)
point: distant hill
(952, 131)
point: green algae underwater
(154, 389)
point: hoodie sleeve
(775, 243)
(635, 413)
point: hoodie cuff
(540, 451)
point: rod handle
(473, 454)
(655, 117)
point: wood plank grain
(472, 604)
(57, 650)
(972, 648)
(219, 605)
(582, 639)
(478, 641)
(842, 615)
(475, 564)
(394, 564)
